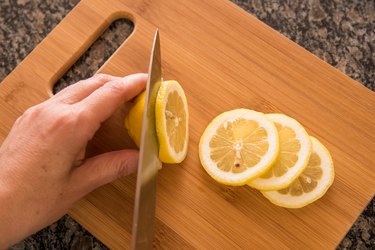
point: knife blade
(145, 197)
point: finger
(103, 169)
(103, 102)
(80, 90)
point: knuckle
(19, 120)
(64, 119)
(102, 77)
(33, 112)
(68, 117)
(119, 171)
(124, 168)
(116, 87)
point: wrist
(11, 214)
(6, 217)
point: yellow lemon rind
(135, 116)
(324, 184)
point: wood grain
(223, 61)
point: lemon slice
(238, 145)
(171, 113)
(311, 185)
(295, 150)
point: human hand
(42, 167)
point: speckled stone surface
(342, 33)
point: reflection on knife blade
(145, 198)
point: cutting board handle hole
(98, 53)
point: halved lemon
(311, 185)
(238, 145)
(133, 121)
(171, 120)
(171, 113)
(295, 150)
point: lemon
(133, 121)
(295, 150)
(311, 185)
(172, 119)
(238, 145)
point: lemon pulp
(172, 119)
(311, 184)
(295, 150)
(237, 146)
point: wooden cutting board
(225, 59)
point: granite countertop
(342, 33)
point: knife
(145, 196)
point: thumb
(103, 169)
